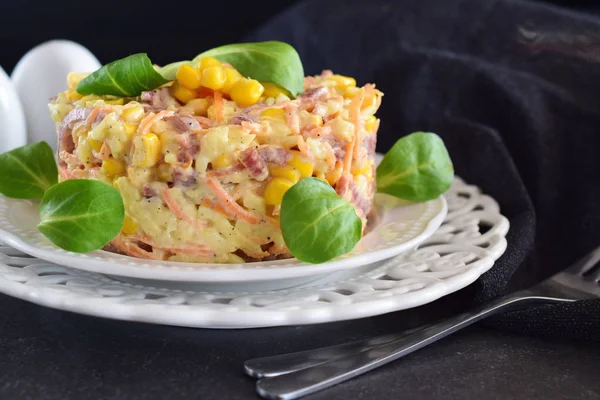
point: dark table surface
(50, 354)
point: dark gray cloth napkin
(514, 90)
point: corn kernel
(343, 81)
(188, 76)
(289, 173)
(73, 79)
(95, 144)
(113, 167)
(146, 150)
(129, 225)
(275, 113)
(182, 93)
(351, 92)
(275, 189)
(206, 62)
(360, 170)
(334, 175)
(115, 102)
(246, 92)
(213, 77)
(164, 172)
(369, 101)
(370, 123)
(131, 129)
(231, 77)
(132, 114)
(199, 106)
(273, 90)
(74, 96)
(222, 161)
(299, 162)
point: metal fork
(291, 376)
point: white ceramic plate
(400, 226)
(471, 238)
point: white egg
(40, 75)
(13, 132)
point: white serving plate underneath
(471, 238)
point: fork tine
(594, 275)
(586, 263)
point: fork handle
(306, 381)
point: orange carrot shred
(150, 119)
(229, 204)
(175, 209)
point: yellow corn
(222, 161)
(273, 90)
(304, 167)
(95, 144)
(132, 114)
(129, 225)
(275, 113)
(231, 77)
(188, 76)
(351, 91)
(115, 102)
(206, 62)
(131, 129)
(146, 150)
(334, 175)
(213, 77)
(199, 106)
(360, 170)
(182, 93)
(275, 189)
(73, 96)
(343, 81)
(73, 79)
(289, 173)
(369, 101)
(164, 172)
(370, 123)
(246, 92)
(113, 167)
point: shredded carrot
(292, 118)
(229, 204)
(218, 105)
(94, 114)
(104, 152)
(251, 127)
(150, 119)
(330, 158)
(303, 147)
(355, 117)
(132, 250)
(348, 157)
(175, 209)
(204, 122)
(214, 206)
(273, 221)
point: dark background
(167, 31)
(505, 104)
